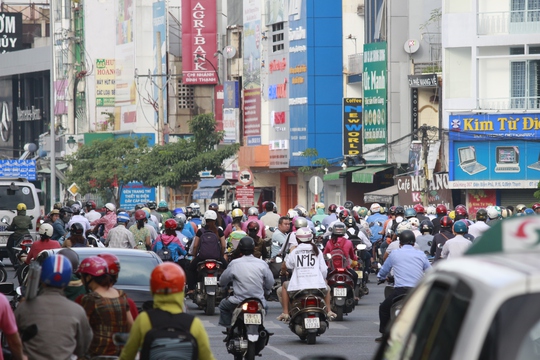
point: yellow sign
(74, 189)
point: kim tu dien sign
(352, 126)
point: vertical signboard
(375, 97)
(252, 72)
(414, 112)
(352, 126)
(159, 27)
(11, 31)
(480, 199)
(298, 80)
(199, 42)
(105, 82)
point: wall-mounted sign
(134, 193)
(28, 115)
(411, 188)
(352, 126)
(427, 80)
(245, 195)
(18, 168)
(11, 30)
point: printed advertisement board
(18, 169)
(352, 126)
(480, 199)
(11, 32)
(411, 187)
(134, 193)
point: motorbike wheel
(22, 273)
(238, 357)
(3, 274)
(339, 314)
(250, 353)
(365, 289)
(210, 305)
(311, 338)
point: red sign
(480, 199)
(245, 195)
(218, 95)
(199, 42)
(252, 112)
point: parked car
(483, 305)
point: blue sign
(494, 127)
(254, 140)
(134, 193)
(18, 169)
(231, 95)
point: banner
(199, 42)
(134, 193)
(245, 195)
(352, 126)
(411, 187)
(480, 199)
(11, 32)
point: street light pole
(52, 154)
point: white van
(12, 192)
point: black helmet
(481, 215)
(151, 205)
(400, 210)
(349, 222)
(426, 226)
(76, 228)
(339, 229)
(348, 205)
(65, 210)
(139, 206)
(407, 237)
(246, 245)
(213, 206)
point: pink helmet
(94, 266)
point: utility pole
(424, 129)
(159, 81)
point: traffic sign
(316, 184)
(245, 177)
(245, 195)
(73, 189)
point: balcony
(509, 22)
(511, 103)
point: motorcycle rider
(196, 214)
(155, 215)
(77, 217)
(332, 216)
(250, 277)
(376, 221)
(270, 219)
(260, 251)
(167, 283)
(426, 229)
(409, 266)
(44, 243)
(456, 247)
(320, 215)
(60, 224)
(439, 239)
(236, 224)
(280, 236)
(108, 220)
(338, 240)
(480, 225)
(120, 236)
(91, 214)
(420, 212)
(62, 326)
(223, 213)
(163, 210)
(253, 215)
(20, 225)
(441, 211)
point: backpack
(164, 253)
(209, 245)
(170, 337)
(338, 257)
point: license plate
(312, 323)
(3, 239)
(340, 292)
(210, 280)
(360, 274)
(3, 227)
(252, 319)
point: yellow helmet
(237, 213)
(320, 205)
(452, 214)
(21, 206)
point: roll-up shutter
(518, 196)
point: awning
(366, 175)
(208, 187)
(340, 174)
(385, 195)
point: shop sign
(11, 31)
(28, 115)
(490, 184)
(428, 80)
(480, 199)
(411, 188)
(134, 193)
(494, 126)
(352, 126)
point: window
(278, 37)
(525, 10)
(525, 84)
(186, 96)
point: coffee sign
(411, 188)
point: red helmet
(536, 206)
(446, 222)
(355, 216)
(140, 214)
(167, 278)
(90, 204)
(332, 208)
(344, 213)
(94, 266)
(113, 264)
(441, 210)
(170, 224)
(460, 206)
(461, 211)
(419, 208)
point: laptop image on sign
(467, 160)
(536, 165)
(507, 159)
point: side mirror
(279, 260)
(328, 256)
(5, 221)
(361, 246)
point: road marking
(282, 353)
(208, 324)
(334, 325)
(377, 323)
(272, 325)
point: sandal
(284, 317)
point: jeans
(386, 305)
(226, 309)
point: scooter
(308, 315)
(208, 293)
(21, 253)
(341, 286)
(247, 336)
(361, 288)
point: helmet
(520, 208)
(529, 211)
(76, 228)
(123, 217)
(452, 214)
(57, 205)
(319, 205)
(180, 221)
(392, 210)
(94, 266)
(383, 210)
(90, 204)
(301, 210)
(402, 226)
(348, 205)
(374, 208)
(253, 211)
(536, 206)
(446, 222)
(167, 278)
(21, 206)
(460, 227)
(461, 212)
(400, 210)
(506, 212)
(46, 229)
(65, 210)
(363, 212)
(460, 206)
(349, 222)
(110, 207)
(414, 222)
(72, 256)
(426, 226)
(170, 224)
(180, 217)
(189, 211)
(237, 213)
(300, 222)
(139, 206)
(253, 225)
(407, 237)
(481, 215)
(291, 214)
(410, 212)
(339, 229)
(304, 235)
(332, 208)
(246, 245)
(492, 213)
(235, 204)
(162, 204)
(140, 214)
(76, 208)
(213, 206)
(441, 210)
(221, 208)
(419, 208)
(210, 215)
(56, 271)
(113, 264)
(344, 213)
(151, 205)
(196, 209)
(431, 210)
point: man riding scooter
(20, 225)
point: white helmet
(375, 208)
(291, 214)
(431, 210)
(221, 208)
(492, 212)
(304, 235)
(210, 215)
(414, 222)
(399, 219)
(46, 229)
(110, 207)
(404, 225)
(253, 211)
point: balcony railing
(513, 103)
(356, 62)
(509, 22)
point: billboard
(18, 169)
(134, 193)
(375, 98)
(11, 32)
(199, 42)
(352, 126)
(411, 188)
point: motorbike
(308, 315)
(208, 293)
(21, 253)
(94, 240)
(247, 336)
(342, 286)
(398, 301)
(361, 288)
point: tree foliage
(316, 162)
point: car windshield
(136, 270)
(9, 198)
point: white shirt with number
(309, 270)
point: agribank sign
(199, 42)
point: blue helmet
(177, 211)
(410, 212)
(122, 217)
(529, 211)
(56, 271)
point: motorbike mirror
(272, 229)
(430, 243)
(279, 260)
(328, 256)
(4, 221)
(317, 223)
(19, 290)
(361, 246)
(6, 288)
